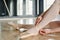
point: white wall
(47, 4)
(29, 11)
(19, 7)
(29, 7)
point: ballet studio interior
(29, 19)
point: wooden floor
(9, 35)
(15, 35)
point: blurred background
(24, 9)
(20, 12)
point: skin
(38, 20)
(46, 31)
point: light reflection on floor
(14, 35)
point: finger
(37, 21)
(42, 33)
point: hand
(44, 31)
(38, 20)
